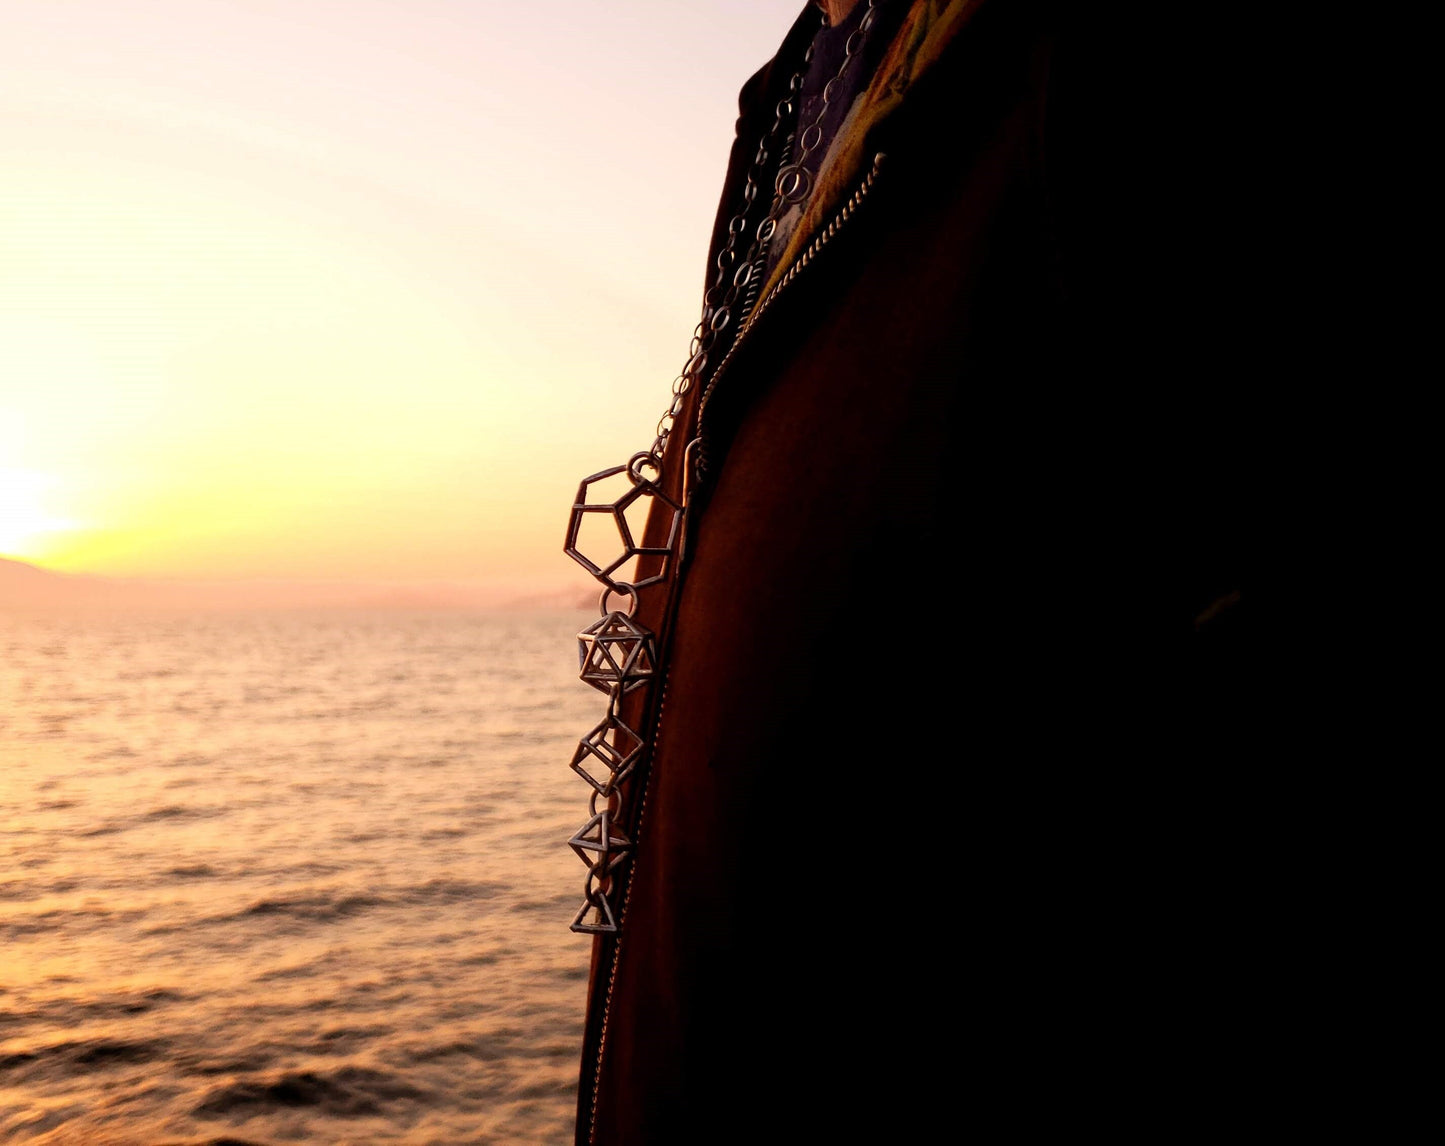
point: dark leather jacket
(942, 817)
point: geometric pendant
(599, 844)
(604, 922)
(616, 653)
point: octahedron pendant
(600, 845)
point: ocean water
(289, 877)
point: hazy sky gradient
(346, 288)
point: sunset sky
(346, 289)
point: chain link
(792, 183)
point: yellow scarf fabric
(927, 29)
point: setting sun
(25, 523)
(312, 296)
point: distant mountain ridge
(27, 586)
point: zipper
(621, 916)
(614, 957)
(824, 236)
(694, 468)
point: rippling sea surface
(289, 877)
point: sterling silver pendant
(616, 655)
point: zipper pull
(688, 474)
(689, 469)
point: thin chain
(618, 654)
(793, 182)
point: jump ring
(794, 183)
(627, 590)
(613, 796)
(637, 461)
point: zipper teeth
(820, 240)
(621, 918)
(760, 264)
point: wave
(155, 815)
(347, 1092)
(447, 833)
(57, 922)
(23, 891)
(224, 1140)
(192, 871)
(67, 1013)
(439, 891)
(123, 1006)
(181, 812)
(486, 1052)
(67, 1058)
(499, 1046)
(323, 908)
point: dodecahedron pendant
(637, 496)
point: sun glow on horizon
(25, 524)
(346, 290)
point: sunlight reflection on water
(285, 877)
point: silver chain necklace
(792, 184)
(618, 654)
